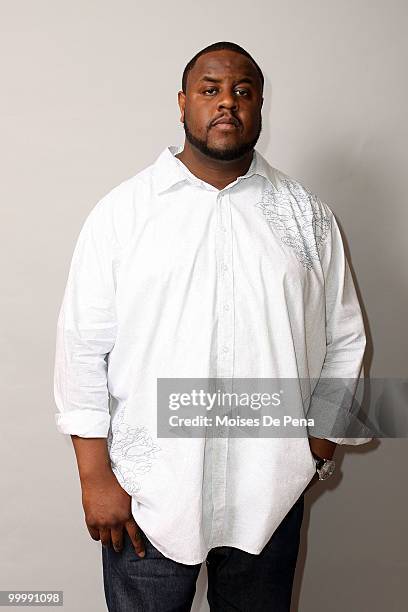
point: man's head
(221, 100)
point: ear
(182, 103)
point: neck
(216, 172)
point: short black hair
(218, 46)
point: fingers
(105, 536)
(134, 534)
(94, 533)
(113, 536)
(117, 538)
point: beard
(224, 154)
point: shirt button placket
(225, 355)
(225, 287)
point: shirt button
(225, 267)
(223, 228)
(226, 307)
(225, 349)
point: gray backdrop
(89, 98)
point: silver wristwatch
(324, 467)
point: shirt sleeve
(86, 330)
(332, 401)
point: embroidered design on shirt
(132, 451)
(299, 218)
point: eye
(210, 91)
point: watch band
(324, 467)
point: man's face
(222, 86)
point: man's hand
(106, 504)
(107, 508)
(322, 448)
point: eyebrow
(214, 80)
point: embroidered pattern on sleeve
(132, 452)
(299, 218)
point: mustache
(229, 118)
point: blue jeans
(237, 580)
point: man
(210, 263)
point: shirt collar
(169, 170)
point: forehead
(223, 64)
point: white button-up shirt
(174, 278)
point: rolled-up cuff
(351, 441)
(83, 423)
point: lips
(226, 121)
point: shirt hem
(169, 555)
(163, 550)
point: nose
(227, 100)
